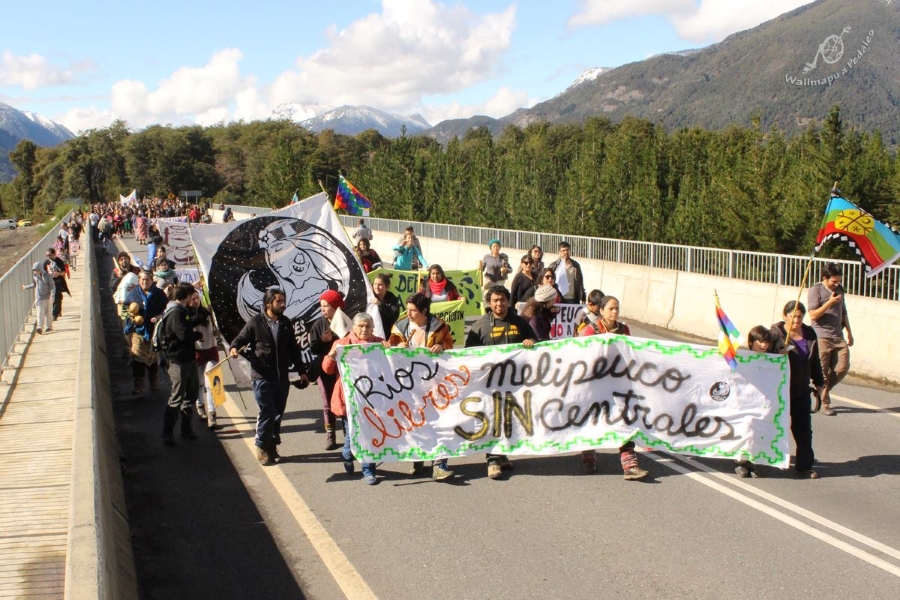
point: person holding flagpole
(828, 314)
(803, 358)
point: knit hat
(333, 298)
(494, 241)
(37, 267)
(545, 293)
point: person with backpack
(176, 338)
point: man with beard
(272, 350)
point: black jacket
(270, 361)
(491, 331)
(580, 293)
(802, 371)
(180, 335)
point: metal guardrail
(761, 267)
(17, 304)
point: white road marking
(866, 405)
(670, 462)
(346, 576)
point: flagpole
(812, 257)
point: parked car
(7, 224)
(24, 223)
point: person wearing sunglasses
(524, 281)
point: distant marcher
(828, 314)
(803, 358)
(592, 314)
(57, 270)
(362, 232)
(524, 281)
(389, 306)
(408, 256)
(494, 266)
(575, 293)
(149, 303)
(321, 341)
(368, 257)
(44, 288)
(758, 340)
(206, 353)
(537, 255)
(437, 288)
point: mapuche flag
(348, 198)
(876, 244)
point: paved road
(209, 522)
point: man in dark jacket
(575, 293)
(273, 349)
(180, 337)
(499, 326)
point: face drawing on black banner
(302, 259)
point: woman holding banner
(609, 323)
(803, 357)
(388, 304)
(421, 329)
(438, 288)
(361, 333)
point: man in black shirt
(180, 338)
(499, 326)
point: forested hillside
(742, 187)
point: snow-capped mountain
(589, 75)
(351, 120)
(24, 125)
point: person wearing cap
(43, 296)
(494, 266)
(540, 310)
(267, 341)
(575, 294)
(499, 326)
(321, 340)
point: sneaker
(416, 468)
(439, 472)
(828, 411)
(39, 331)
(273, 452)
(504, 463)
(807, 474)
(742, 471)
(348, 467)
(211, 420)
(168, 439)
(201, 410)
(494, 470)
(263, 457)
(370, 479)
(635, 473)
(330, 441)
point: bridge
(85, 480)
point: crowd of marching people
(164, 317)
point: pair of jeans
(368, 468)
(271, 398)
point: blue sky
(198, 61)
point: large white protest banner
(177, 240)
(565, 395)
(301, 249)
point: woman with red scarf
(438, 288)
(368, 257)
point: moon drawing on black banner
(300, 258)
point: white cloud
(502, 103)
(34, 71)
(413, 48)
(701, 21)
(82, 119)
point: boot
(186, 431)
(169, 419)
(272, 451)
(211, 420)
(330, 438)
